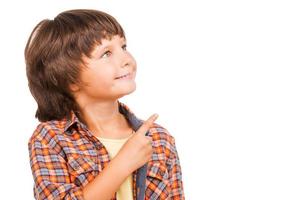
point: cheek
(103, 79)
(97, 78)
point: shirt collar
(123, 109)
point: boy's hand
(138, 148)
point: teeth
(123, 76)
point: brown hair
(54, 57)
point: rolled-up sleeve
(50, 173)
(175, 174)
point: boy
(89, 145)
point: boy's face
(102, 77)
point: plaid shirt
(65, 156)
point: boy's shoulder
(158, 131)
(161, 134)
(163, 142)
(47, 132)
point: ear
(74, 87)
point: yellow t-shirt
(125, 192)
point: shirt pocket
(157, 183)
(82, 170)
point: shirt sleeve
(50, 173)
(175, 174)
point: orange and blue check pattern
(65, 156)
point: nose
(126, 59)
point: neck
(102, 118)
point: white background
(222, 75)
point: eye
(106, 54)
(124, 47)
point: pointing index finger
(146, 125)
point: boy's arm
(175, 174)
(50, 173)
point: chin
(127, 91)
(132, 89)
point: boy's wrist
(122, 164)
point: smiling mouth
(124, 76)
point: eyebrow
(100, 47)
(123, 40)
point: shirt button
(162, 173)
(76, 166)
